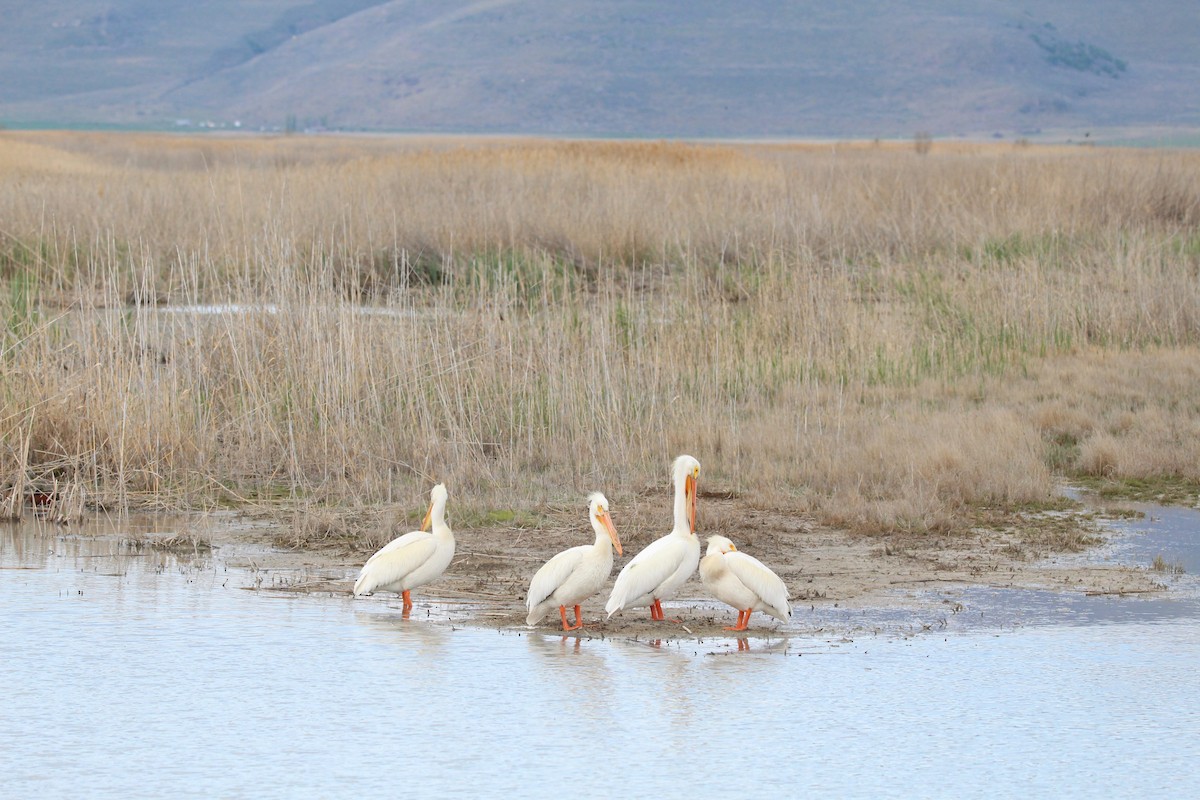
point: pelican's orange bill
(606, 520)
(689, 488)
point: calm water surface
(142, 675)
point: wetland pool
(137, 673)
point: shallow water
(138, 674)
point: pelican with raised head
(413, 559)
(655, 573)
(576, 574)
(743, 582)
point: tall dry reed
(843, 329)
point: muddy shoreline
(830, 573)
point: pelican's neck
(438, 518)
(603, 542)
(681, 510)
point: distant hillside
(624, 67)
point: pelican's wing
(758, 578)
(553, 574)
(646, 571)
(394, 561)
(397, 543)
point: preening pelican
(743, 582)
(413, 559)
(574, 575)
(655, 573)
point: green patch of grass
(1055, 503)
(273, 492)
(527, 277)
(1167, 489)
(1117, 512)
(470, 518)
(1067, 533)
(1046, 248)
(22, 304)
(957, 337)
(1058, 525)
(1029, 531)
(509, 518)
(15, 259)
(1189, 246)
(1062, 453)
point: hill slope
(624, 67)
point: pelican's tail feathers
(538, 613)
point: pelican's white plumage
(576, 574)
(655, 573)
(413, 559)
(743, 582)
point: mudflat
(823, 567)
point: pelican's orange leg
(562, 611)
(578, 619)
(408, 604)
(656, 612)
(743, 620)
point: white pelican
(743, 582)
(660, 569)
(413, 559)
(576, 574)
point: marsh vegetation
(882, 341)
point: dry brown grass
(887, 341)
(1174, 567)
(1135, 414)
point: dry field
(877, 340)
